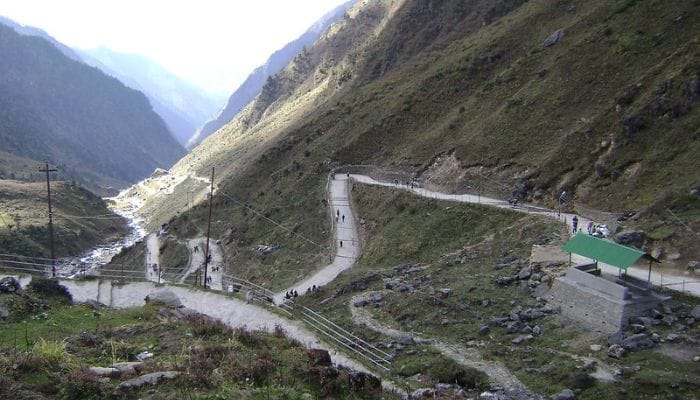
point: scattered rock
(108, 372)
(504, 280)
(484, 330)
(672, 337)
(151, 379)
(554, 38)
(637, 328)
(566, 394)
(128, 368)
(445, 322)
(525, 273)
(144, 355)
(406, 340)
(522, 338)
(537, 330)
(541, 73)
(616, 351)
(424, 393)
(445, 293)
(265, 249)
(633, 238)
(596, 347)
(165, 297)
(638, 342)
(4, 314)
(695, 313)
(694, 266)
(9, 284)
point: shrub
(53, 354)
(50, 288)
(82, 384)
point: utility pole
(206, 253)
(48, 192)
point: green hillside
(465, 96)
(81, 219)
(55, 109)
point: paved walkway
(215, 268)
(670, 280)
(345, 236)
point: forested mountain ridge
(183, 107)
(56, 109)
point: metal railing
(346, 339)
(241, 285)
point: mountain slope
(58, 110)
(182, 106)
(467, 95)
(257, 79)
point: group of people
(593, 229)
(290, 294)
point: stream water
(102, 254)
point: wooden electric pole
(206, 252)
(48, 192)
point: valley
(394, 199)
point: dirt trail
(465, 356)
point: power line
(272, 221)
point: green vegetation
(81, 219)
(47, 353)
(97, 131)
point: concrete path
(215, 268)
(345, 236)
(152, 264)
(670, 280)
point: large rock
(554, 38)
(150, 379)
(566, 394)
(631, 238)
(637, 342)
(525, 273)
(165, 297)
(108, 372)
(616, 351)
(695, 313)
(9, 284)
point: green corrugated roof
(603, 250)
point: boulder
(554, 38)
(150, 379)
(525, 273)
(504, 280)
(9, 284)
(108, 372)
(695, 313)
(596, 347)
(672, 337)
(616, 338)
(616, 351)
(522, 338)
(566, 394)
(484, 330)
(406, 340)
(445, 293)
(631, 238)
(637, 328)
(637, 342)
(128, 368)
(424, 393)
(164, 297)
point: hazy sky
(214, 44)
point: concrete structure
(600, 302)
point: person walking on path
(343, 217)
(574, 223)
